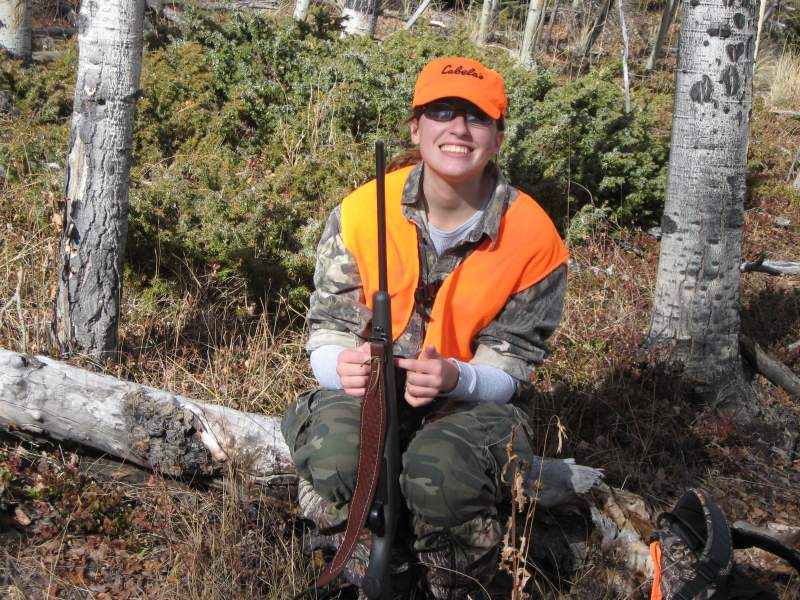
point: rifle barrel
(380, 176)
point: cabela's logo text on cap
(459, 70)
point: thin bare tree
(361, 16)
(485, 22)
(625, 51)
(15, 27)
(535, 9)
(301, 9)
(548, 38)
(598, 23)
(667, 17)
(95, 220)
(696, 307)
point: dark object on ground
(693, 552)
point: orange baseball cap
(459, 77)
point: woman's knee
(325, 449)
(446, 479)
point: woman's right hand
(353, 368)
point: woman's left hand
(428, 376)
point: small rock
(7, 106)
(22, 518)
(655, 232)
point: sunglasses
(444, 112)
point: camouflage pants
(451, 477)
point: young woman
(477, 278)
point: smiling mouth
(453, 149)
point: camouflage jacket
(513, 342)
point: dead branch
(417, 13)
(771, 368)
(772, 267)
(238, 5)
(55, 31)
(45, 56)
(791, 113)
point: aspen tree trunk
(301, 9)
(95, 221)
(667, 17)
(361, 17)
(15, 27)
(486, 18)
(531, 25)
(696, 308)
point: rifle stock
(386, 506)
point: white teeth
(457, 149)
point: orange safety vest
(527, 249)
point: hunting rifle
(376, 500)
(387, 504)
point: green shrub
(249, 131)
(39, 99)
(578, 147)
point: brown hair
(404, 159)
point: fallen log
(146, 426)
(173, 434)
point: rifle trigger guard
(376, 521)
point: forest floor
(77, 525)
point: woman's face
(459, 149)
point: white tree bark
(625, 79)
(95, 225)
(361, 17)
(149, 427)
(301, 9)
(667, 17)
(696, 309)
(486, 19)
(532, 21)
(15, 27)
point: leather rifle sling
(370, 455)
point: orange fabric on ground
(526, 250)
(655, 554)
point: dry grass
(784, 91)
